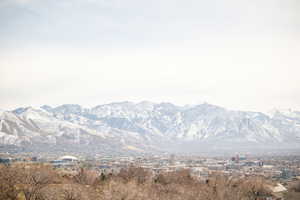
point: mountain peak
(286, 112)
(23, 109)
(68, 108)
(46, 107)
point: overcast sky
(240, 54)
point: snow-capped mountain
(147, 126)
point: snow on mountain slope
(37, 125)
(147, 124)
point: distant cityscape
(282, 169)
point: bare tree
(9, 178)
(34, 179)
(86, 177)
(138, 174)
(71, 192)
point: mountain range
(127, 127)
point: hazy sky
(240, 54)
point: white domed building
(68, 159)
(65, 161)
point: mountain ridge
(148, 127)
